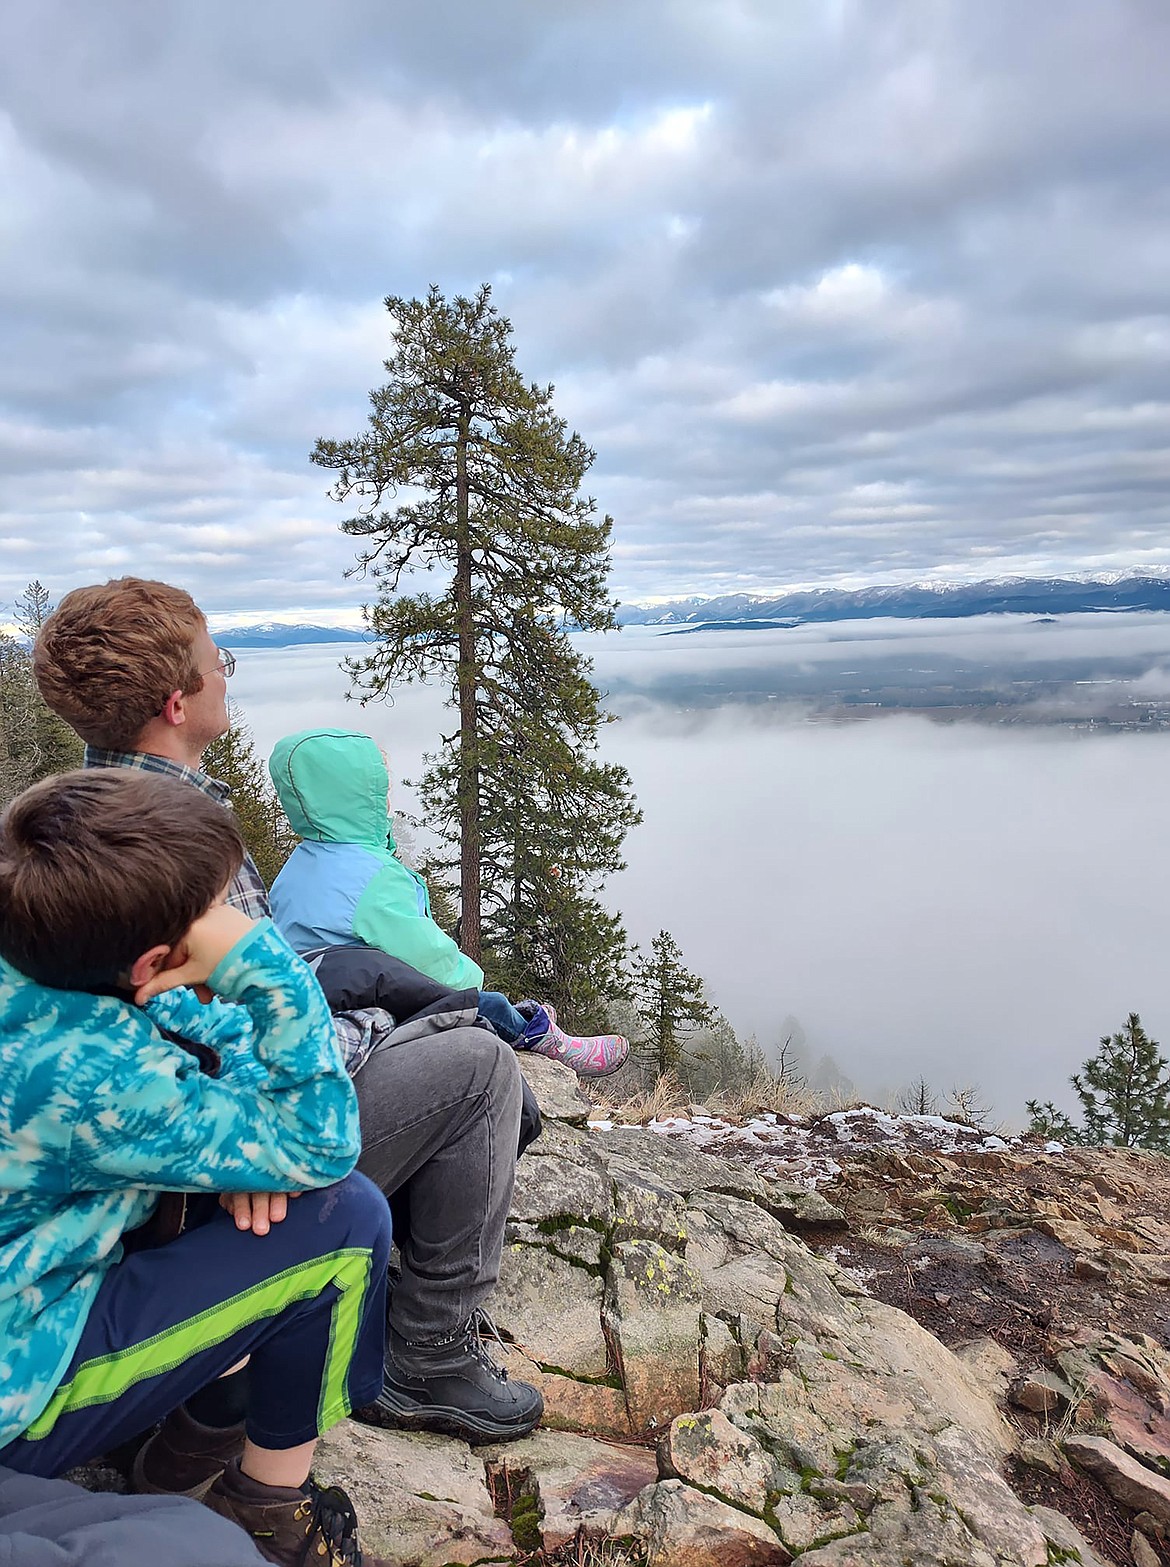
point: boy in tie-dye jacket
(117, 1084)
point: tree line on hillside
(33, 740)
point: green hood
(333, 784)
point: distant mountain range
(276, 634)
(911, 601)
(755, 611)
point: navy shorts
(307, 1303)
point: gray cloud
(836, 291)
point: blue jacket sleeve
(224, 1025)
(280, 1116)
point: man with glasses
(177, 744)
(132, 667)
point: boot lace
(480, 1329)
(332, 1533)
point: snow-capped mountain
(274, 633)
(1105, 593)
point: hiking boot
(184, 1458)
(292, 1525)
(454, 1387)
(589, 1055)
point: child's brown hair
(99, 866)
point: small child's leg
(533, 1026)
(306, 1302)
(497, 1010)
(589, 1055)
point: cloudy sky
(840, 292)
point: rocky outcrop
(1134, 1486)
(715, 1392)
(421, 1499)
(1107, 1208)
(1047, 1270)
(1063, 1259)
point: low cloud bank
(962, 903)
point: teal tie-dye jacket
(99, 1112)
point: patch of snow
(600, 1126)
(861, 1277)
(1054, 1147)
(807, 1156)
(761, 1128)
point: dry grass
(767, 1094)
(669, 1096)
(1070, 1421)
(666, 1096)
(874, 1235)
(588, 1553)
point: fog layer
(965, 903)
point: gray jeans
(440, 1117)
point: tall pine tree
(552, 820)
(493, 479)
(1125, 1090)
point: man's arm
(247, 891)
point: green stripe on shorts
(109, 1377)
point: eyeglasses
(225, 667)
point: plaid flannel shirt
(247, 892)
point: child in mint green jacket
(345, 884)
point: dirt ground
(1017, 1287)
(918, 1239)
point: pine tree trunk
(665, 1031)
(467, 679)
(517, 889)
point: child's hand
(256, 1211)
(196, 955)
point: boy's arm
(387, 917)
(158, 1121)
(224, 1025)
